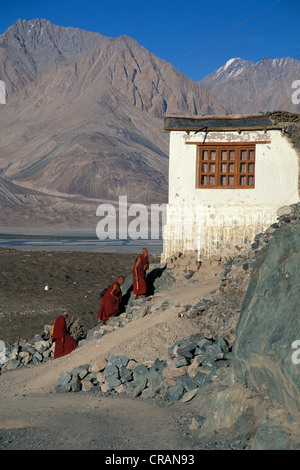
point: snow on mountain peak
(230, 61)
(232, 68)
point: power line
(244, 37)
(230, 45)
(227, 32)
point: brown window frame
(226, 166)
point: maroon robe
(109, 305)
(64, 343)
(141, 272)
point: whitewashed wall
(214, 221)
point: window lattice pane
(227, 167)
(244, 155)
(231, 181)
(205, 155)
(243, 180)
(251, 155)
(224, 155)
(251, 180)
(231, 155)
(243, 167)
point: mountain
(84, 113)
(249, 87)
(231, 69)
(29, 209)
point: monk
(139, 274)
(111, 300)
(64, 343)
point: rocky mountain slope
(83, 113)
(249, 87)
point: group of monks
(64, 343)
(113, 296)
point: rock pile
(286, 216)
(193, 363)
(134, 309)
(187, 261)
(27, 352)
(138, 309)
(283, 116)
(34, 351)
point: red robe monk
(111, 300)
(64, 343)
(139, 274)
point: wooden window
(226, 166)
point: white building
(228, 176)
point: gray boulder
(174, 393)
(118, 361)
(64, 378)
(139, 388)
(13, 364)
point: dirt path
(83, 421)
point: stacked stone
(284, 116)
(27, 352)
(186, 261)
(145, 306)
(192, 364)
(286, 215)
(135, 309)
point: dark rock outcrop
(270, 322)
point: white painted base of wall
(214, 229)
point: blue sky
(196, 37)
